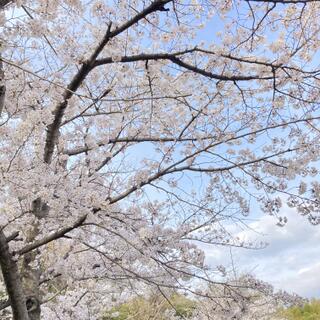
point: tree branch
(4, 3)
(284, 1)
(173, 57)
(2, 85)
(174, 169)
(54, 236)
(76, 151)
(12, 236)
(4, 304)
(87, 66)
(82, 149)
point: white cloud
(290, 262)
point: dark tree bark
(3, 3)
(2, 86)
(12, 281)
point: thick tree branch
(12, 281)
(54, 236)
(142, 57)
(173, 57)
(53, 128)
(211, 75)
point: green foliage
(154, 307)
(310, 311)
(183, 306)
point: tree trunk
(12, 281)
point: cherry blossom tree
(127, 140)
(248, 299)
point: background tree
(309, 311)
(126, 141)
(154, 306)
(247, 299)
